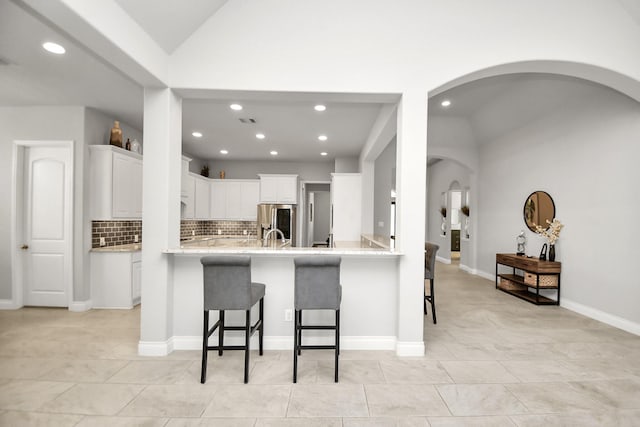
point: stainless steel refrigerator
(282, 217)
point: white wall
(385, 167)
(39, 123)
(347, 165)
(239, 169)
(323, 213)
(84, 126)
(585, 156)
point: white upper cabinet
(116, 183)
(279, 189)
(346, 206)
(202, 197)
(188, 196)
(234, 199)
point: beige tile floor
(492, 360)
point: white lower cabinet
(116, 279)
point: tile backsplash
(206, 228)
(115, 232)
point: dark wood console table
(528, 274)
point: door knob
(24, 247)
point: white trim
(155, 348)
(410, 348)
(9, 304)
(485, 275)
(468, 269)
(443, 260)
(17, 204)
(609, 319)
(80, 306)
(286, 342)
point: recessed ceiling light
(320, 107)
(324, 153)
(445, 103)
(322, 137)
(54, 48)
(235, 107)
(260, 135)
(197, 134)
(224, 152)
(274, 153)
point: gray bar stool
(317, 287)
(228, 286)
(430, 250)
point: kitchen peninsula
(369, 301)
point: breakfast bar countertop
(248, 246)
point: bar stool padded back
(228, 286)
(317, 287)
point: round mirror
(539, 208)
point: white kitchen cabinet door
(189, 197)
(202, 199)
(116, 183)
(288, 190)
(122, 191)
(136, 281)
(268, 189)
(136, 188)
(279, 189)
(234, 200)
(250, 199)
(218, 199)
(346, 205)
(115, 279)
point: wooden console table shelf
(534, 274)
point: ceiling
(31, 76)
(290, 127)
(170, 23)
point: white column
(161, 217)
(411, 201)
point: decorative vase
(552, 252)
(543, 253)
(116, 135)
(222, 174)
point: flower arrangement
(205, 170)
(443, 211)
(552, 233)
(465, 210)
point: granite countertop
(252, 246)
(131, 247)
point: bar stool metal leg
(337, 351)
(221, 334)
(433, 302)
(296, 326)
(247, 335)
(205, 344)
(261, 330)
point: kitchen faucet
(266, 236)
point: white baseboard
(443, 260)
(286, 342)
(410, 348)
(8, 304)
(485, 275)
(80, 306)
(155, 348)
(609, 319)
(468, 269)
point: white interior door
(47, 223)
